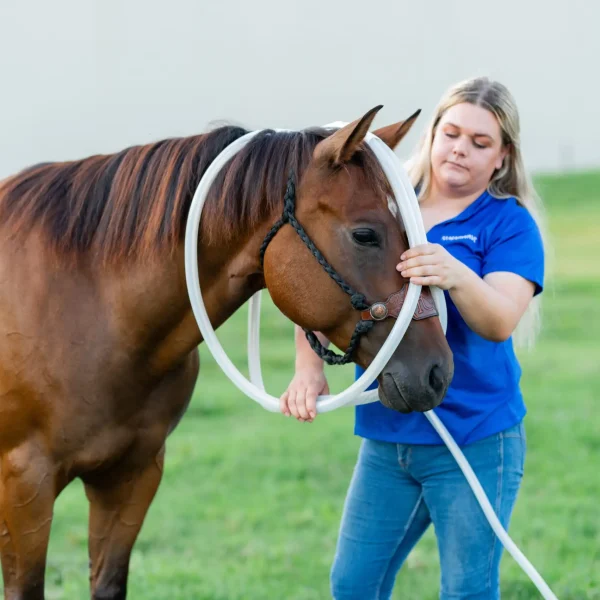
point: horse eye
(365, 237)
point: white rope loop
(355, 394)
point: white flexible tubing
(254, 368)
(355, 393)
(478, 491)
(416, 234)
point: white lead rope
(355, 394)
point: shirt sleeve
(516, 246)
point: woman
(486, 251)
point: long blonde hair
(511, 180)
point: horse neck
(158, 302)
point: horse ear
(393, 134)
(339, 147)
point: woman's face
(467, 149)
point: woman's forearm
(305, 355)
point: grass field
(250, 503)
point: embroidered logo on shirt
(450, 238)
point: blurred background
(83, 76)
(250, 503)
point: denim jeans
(398, 490)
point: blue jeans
(398, 490)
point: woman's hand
(300, 399)
(431, 264)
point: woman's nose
(458, 148)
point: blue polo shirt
(484, 396)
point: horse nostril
(436, 379)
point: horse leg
(118, 505)
(27, 495)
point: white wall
(79, 77)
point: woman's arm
(492, 306)
(306, 357)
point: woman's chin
(456, 180)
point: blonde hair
(511, 180)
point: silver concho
(379, 311)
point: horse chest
(133, 428)
(131, 441)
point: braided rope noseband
(369, 313)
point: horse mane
(135, 203)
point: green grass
(250, 503)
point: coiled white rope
(355, 394)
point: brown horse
(99, 355)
